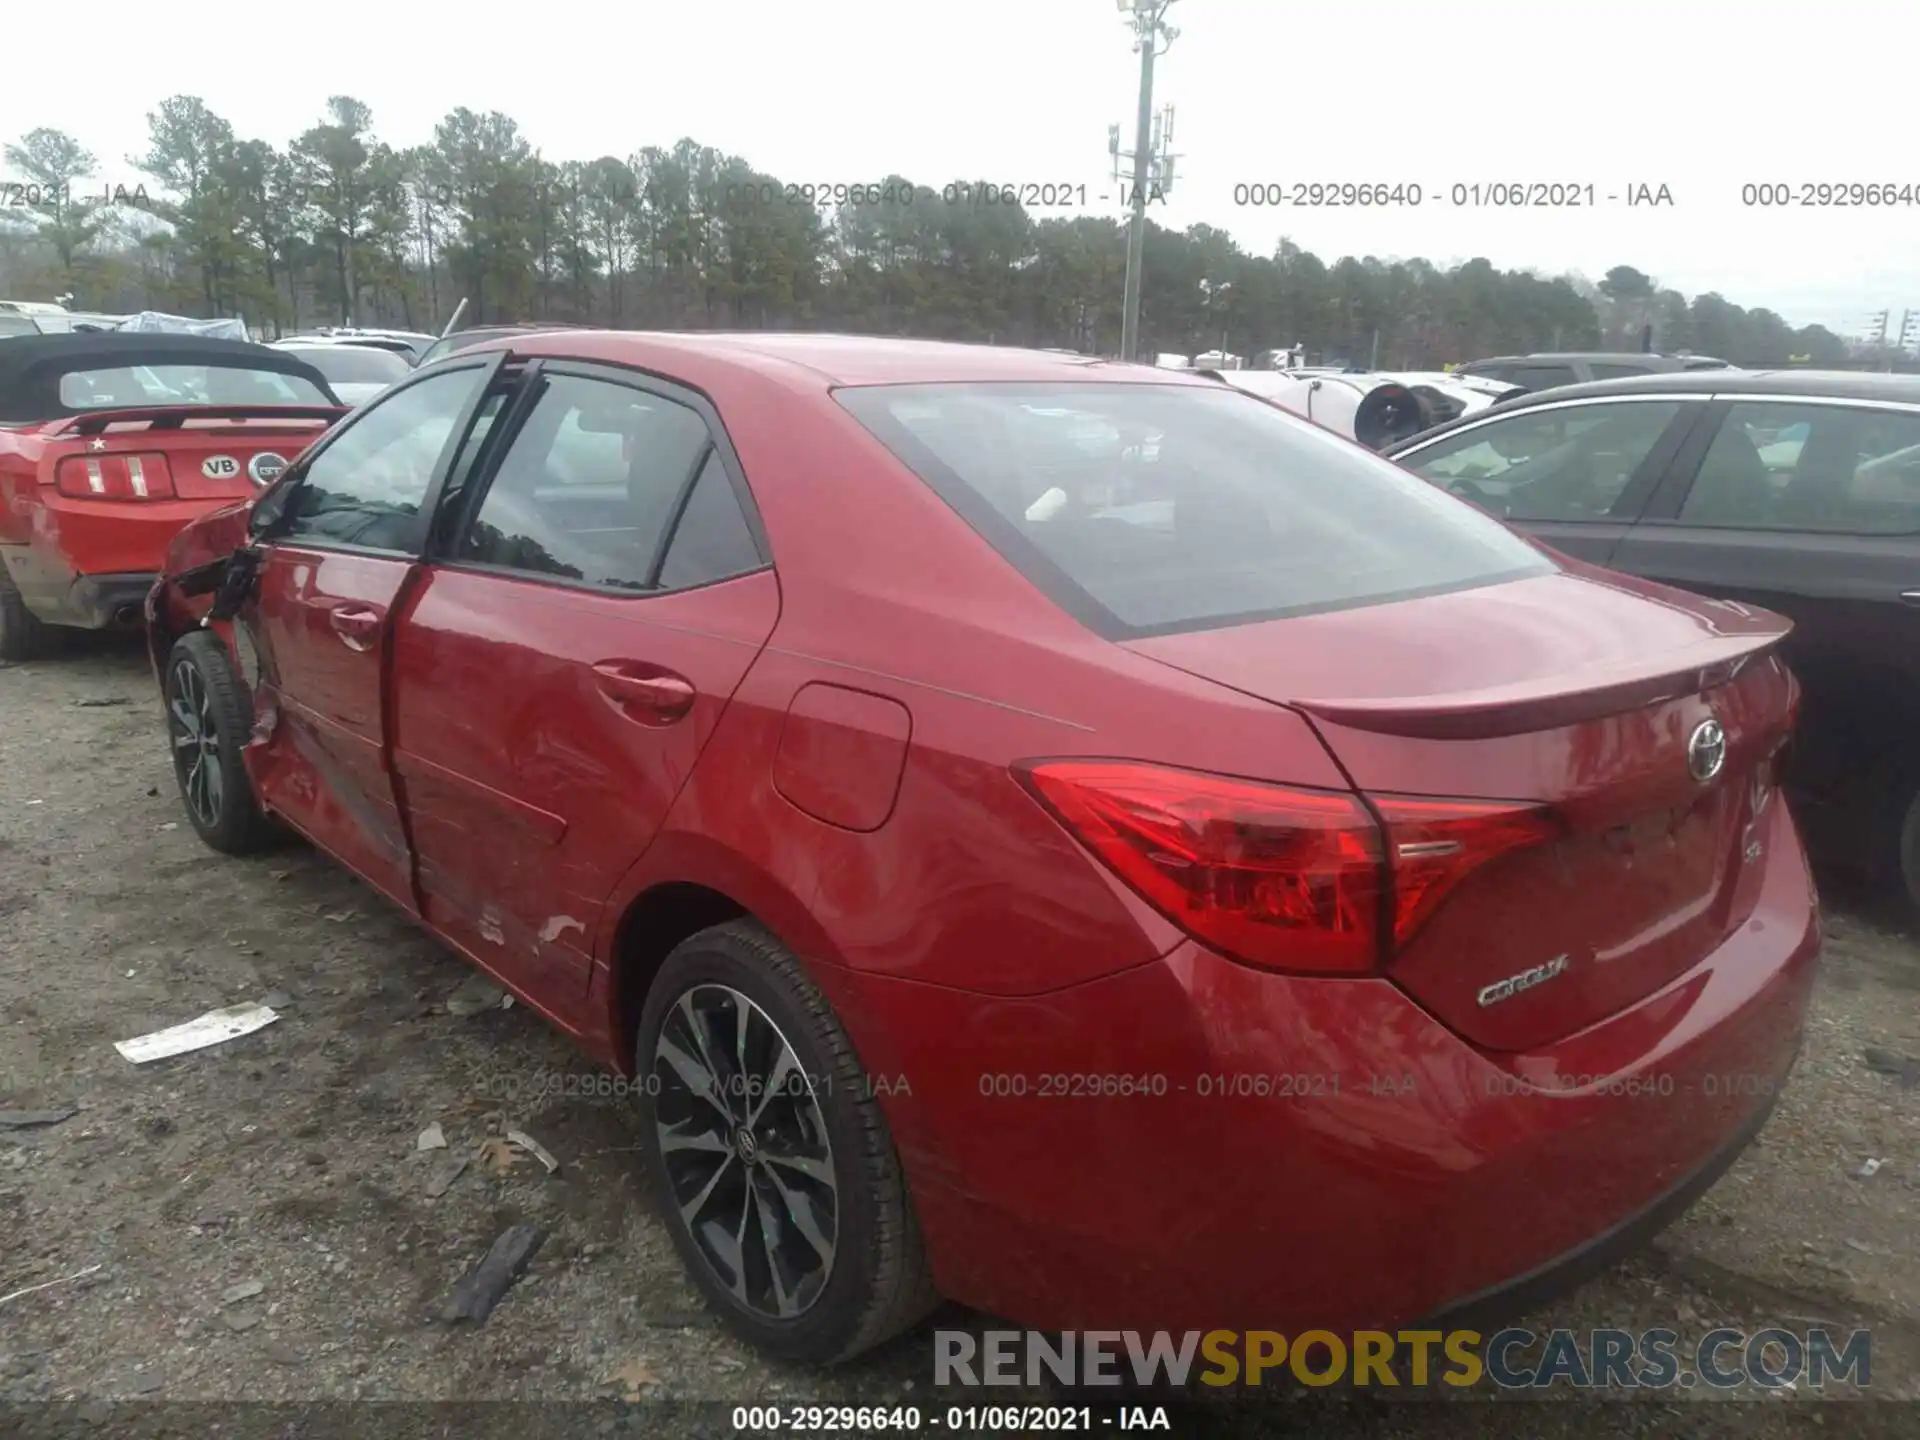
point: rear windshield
(1144, 509)
(139, 385)
(354, 364)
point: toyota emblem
(1706, 751)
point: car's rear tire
(811, 1203)
(22, 635)
(1907, 874)
(209, 718)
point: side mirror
(271, 503)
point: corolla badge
(1706, 751)
(1514, 984)
(265, 467)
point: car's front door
(1811, 509)
(337, 551)
(1574, 473)
(594, 595)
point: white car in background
(357, 373)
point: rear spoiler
(175, 417)
(1508, 710)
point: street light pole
(1146, 16)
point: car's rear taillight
(115, 477)
(1284, 877)
(1435, 844)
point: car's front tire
(209, 719)
(22, 635)
(772, 1163)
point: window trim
(1642, 484)
(1671, 498)
(421, 525)
(444, 554)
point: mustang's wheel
(22, 636)
(208, 720)
(771, 1160)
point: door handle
(358, 626)
(650, 696)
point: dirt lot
(286, 1162)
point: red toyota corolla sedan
(1064, 836)
(110, 443)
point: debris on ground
(431, 1138)
(481, 1289)
(276, 999)
(500, 1156)
(450, 1169)
(241, 1321)
(212, 1028)
(1904, 1068)
(633, 1377)
(245, 1290)
(102, 703)
(475, 994)
(1870, 1169)
(31, 1119)
(49, 1284)
(534, 1148)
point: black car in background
(1579, 367)
(1797, 491)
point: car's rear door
(1810, 508)
(1575, 473)
(335, 560)
(595, 594)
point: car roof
(817, 361)
(1764, 384)
(1832, 384)
(1615, 356)
(31, 365)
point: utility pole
(1153, 36)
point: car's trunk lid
(210, 454)
(1580, 692)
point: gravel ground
(264, 1227)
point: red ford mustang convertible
(110, 443)
(1064, 836)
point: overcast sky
(1698, 95)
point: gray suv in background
(1577, 367)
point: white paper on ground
(209, 1029)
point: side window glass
(1607, 370)
(1559, 464)
(366, 487)
(712, 540)
(589, 485)
(1822, 468)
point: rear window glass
(1145, 509)
(355, 364)
(185, 385)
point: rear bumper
(90, 563)
(1509, 1299)
(1195, 1144)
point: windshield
(353, 364)
(185, 385)
(1146, 509)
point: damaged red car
(109, 444)
(1063, 836)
